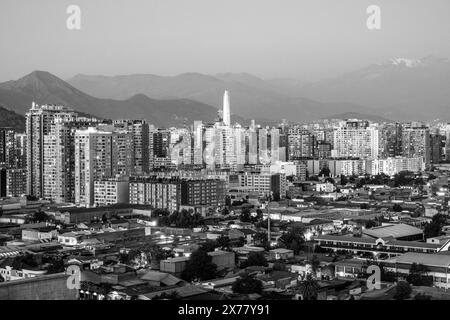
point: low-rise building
(223, 259)
(42, 234)
(111, 191)
(281, 254)
(389, 246)
(174, 265)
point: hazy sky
(304, 39)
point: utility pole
(268, 223)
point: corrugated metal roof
(394, 230)
(427, 259)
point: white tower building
(226, 108)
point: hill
(10, 119)
(45, 88)
(250, 95)
(400, 89)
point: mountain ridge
(250, 95)
(43, 87)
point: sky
(303, 39)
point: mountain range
(250, 96)
(10, 119)
(400, 89)
(44, 88)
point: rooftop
(165, 278)
(437, 260)
(393, 230)
(281, 250)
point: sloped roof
(394, 230)
(183, 292)
(437, 260)
(165, 278)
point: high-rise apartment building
(41, 145)
(203, 192)
(7, 147)
(99, 155)
(356, 139)
(301, 144)
(198, 143)
(20, 140)
(390, 140)
(416, 141)
(158, 192)
(139, 130)
(111, 191)
(226, 109)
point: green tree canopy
(418, 275)
(247, 285)
(199, 267)
(255, 259)
(434, 228)
(402, 290)
(294, 239)
(309, 288)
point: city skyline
(224, 155)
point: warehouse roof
(393, 230)
(427, 259)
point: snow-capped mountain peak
(410, 63)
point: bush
(247, 285)
(255, 259)
(402, 290)
(199, 267)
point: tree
(56, 264)
(397, 208)
(247, 285)
(199, 267)
(370, 224)
(255, 259)
(344, 180)
(160, 213)
(181, 219)
(209, 245)
(167, 296)
(131, 258)
(315, 263)
(225, 211)
(434, 228)
(155, 253)
(245, 215)
(260, 238)
(309, 288)
(223, 242)
(402, 290)
(418, 275)
(325, 172)
(259, 215)
(40, 216)
(293, 239)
